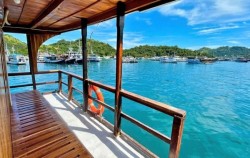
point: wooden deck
(37, 130)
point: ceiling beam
(45, 13)
(24, 30)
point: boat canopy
(57, 16)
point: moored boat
(167, 59)
(94, 58)
(129, 59)
(207, 60)
(241, 59)
(70, 57)
(193, 60)
(16, 59)
(52, 59)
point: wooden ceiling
(58, 16)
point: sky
(191, 24)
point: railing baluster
(175, 144)
(70, 87)
(59, 81)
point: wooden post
(84, 23)
(31, 60)
(176, 136)
(59, 81)
(70, 89)
(119, 51)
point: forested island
(104, 49)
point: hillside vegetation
(104, 49)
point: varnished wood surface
(5, 135)
(37, 131)
(64, 15)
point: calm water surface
(215, 96)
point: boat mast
(13, 50)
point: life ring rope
(100, 109)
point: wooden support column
(59, 81)
(119, 51)
(84, 23)
(32, 60)
(175, 144)
(70, 87)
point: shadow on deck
(96, 137)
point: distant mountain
(60, 47)
(104, 49)
(234, 51)
(149, 51)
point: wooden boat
(31, 123)
(207, 60)
(241, 60)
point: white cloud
(209, 11)
(217, 29)
(233, 42)
(130, 39)
(146, 20)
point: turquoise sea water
(215, 96)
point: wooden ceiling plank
(21, 11)
(76, 12)
(52, 6)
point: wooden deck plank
(37, 131)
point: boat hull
(56, 62)
(16, 63)
(70, 61)
(79, 61)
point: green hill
(19, 46)
(149, 51)
(227, 51)
(104, 49)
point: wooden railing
(177, 114)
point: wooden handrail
(177, 114)
(100, 85)
(72, 74)
(19, 73)
(146, 128)
(167, 109)
(99, 102)
(29, 73)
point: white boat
(129, 59)
(16, 59)
(53, 59)
(94, 58)
(40, 58)
(180, 59)
(155, 58)
(167, 59)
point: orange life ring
(99, 95)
